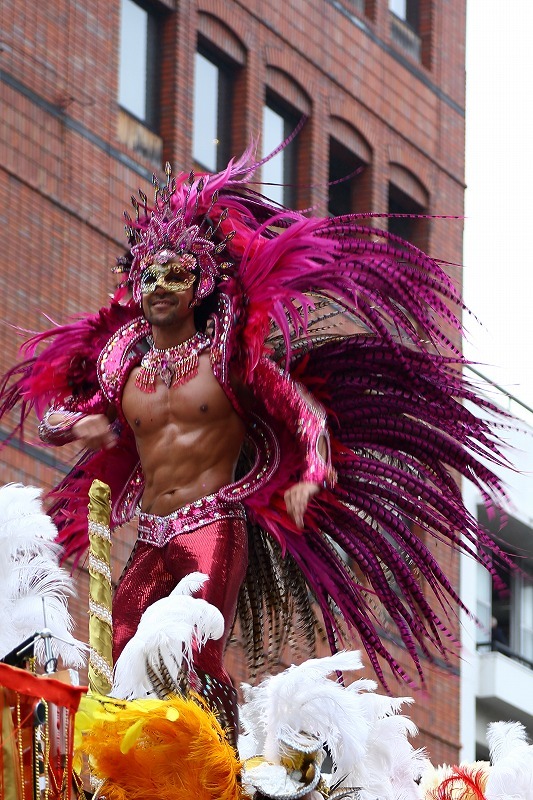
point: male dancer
(188, 436)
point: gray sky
(498, 257)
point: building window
(138, 84)
(412, 228)
(506, 615)
(507, 621)
(279, 175)
(411, 28)
(525, 643)
(213, 81)
(408, 11)
(343, 182)
(484, 611)
(405, 26)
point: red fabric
(53, 691)
(60, 729)
(218, 549)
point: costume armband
(61, 432)
(319, 470)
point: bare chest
(197, 402)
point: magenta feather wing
(59, 366)
(399, 428)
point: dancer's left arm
(288, 402)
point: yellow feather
(131, 736)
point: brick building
(95, 96)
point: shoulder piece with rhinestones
(116, 357)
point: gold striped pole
(100, 600)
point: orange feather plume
(162, 749)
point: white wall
(519, 484)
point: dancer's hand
(297, 499)
(95, 432)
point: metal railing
(500, 647)
(511, 401)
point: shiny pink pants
(218, 548)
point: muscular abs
(188, 438)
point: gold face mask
(174, 276)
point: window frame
(349, 186)
(226, 82)
(411, 17)
(416, 231)
(290, 117)
(151, 120)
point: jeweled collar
(174, 365)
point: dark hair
(206, 308)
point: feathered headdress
(178, 224)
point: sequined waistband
(158, 531)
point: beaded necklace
(174, 365)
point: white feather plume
(304, 699)
(364, 732)
(169, 628)
(22, 519)
(391, 765)
(511, 774)
(32, 584)
(190, 584)
(505, 739)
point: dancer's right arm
(93, 431)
